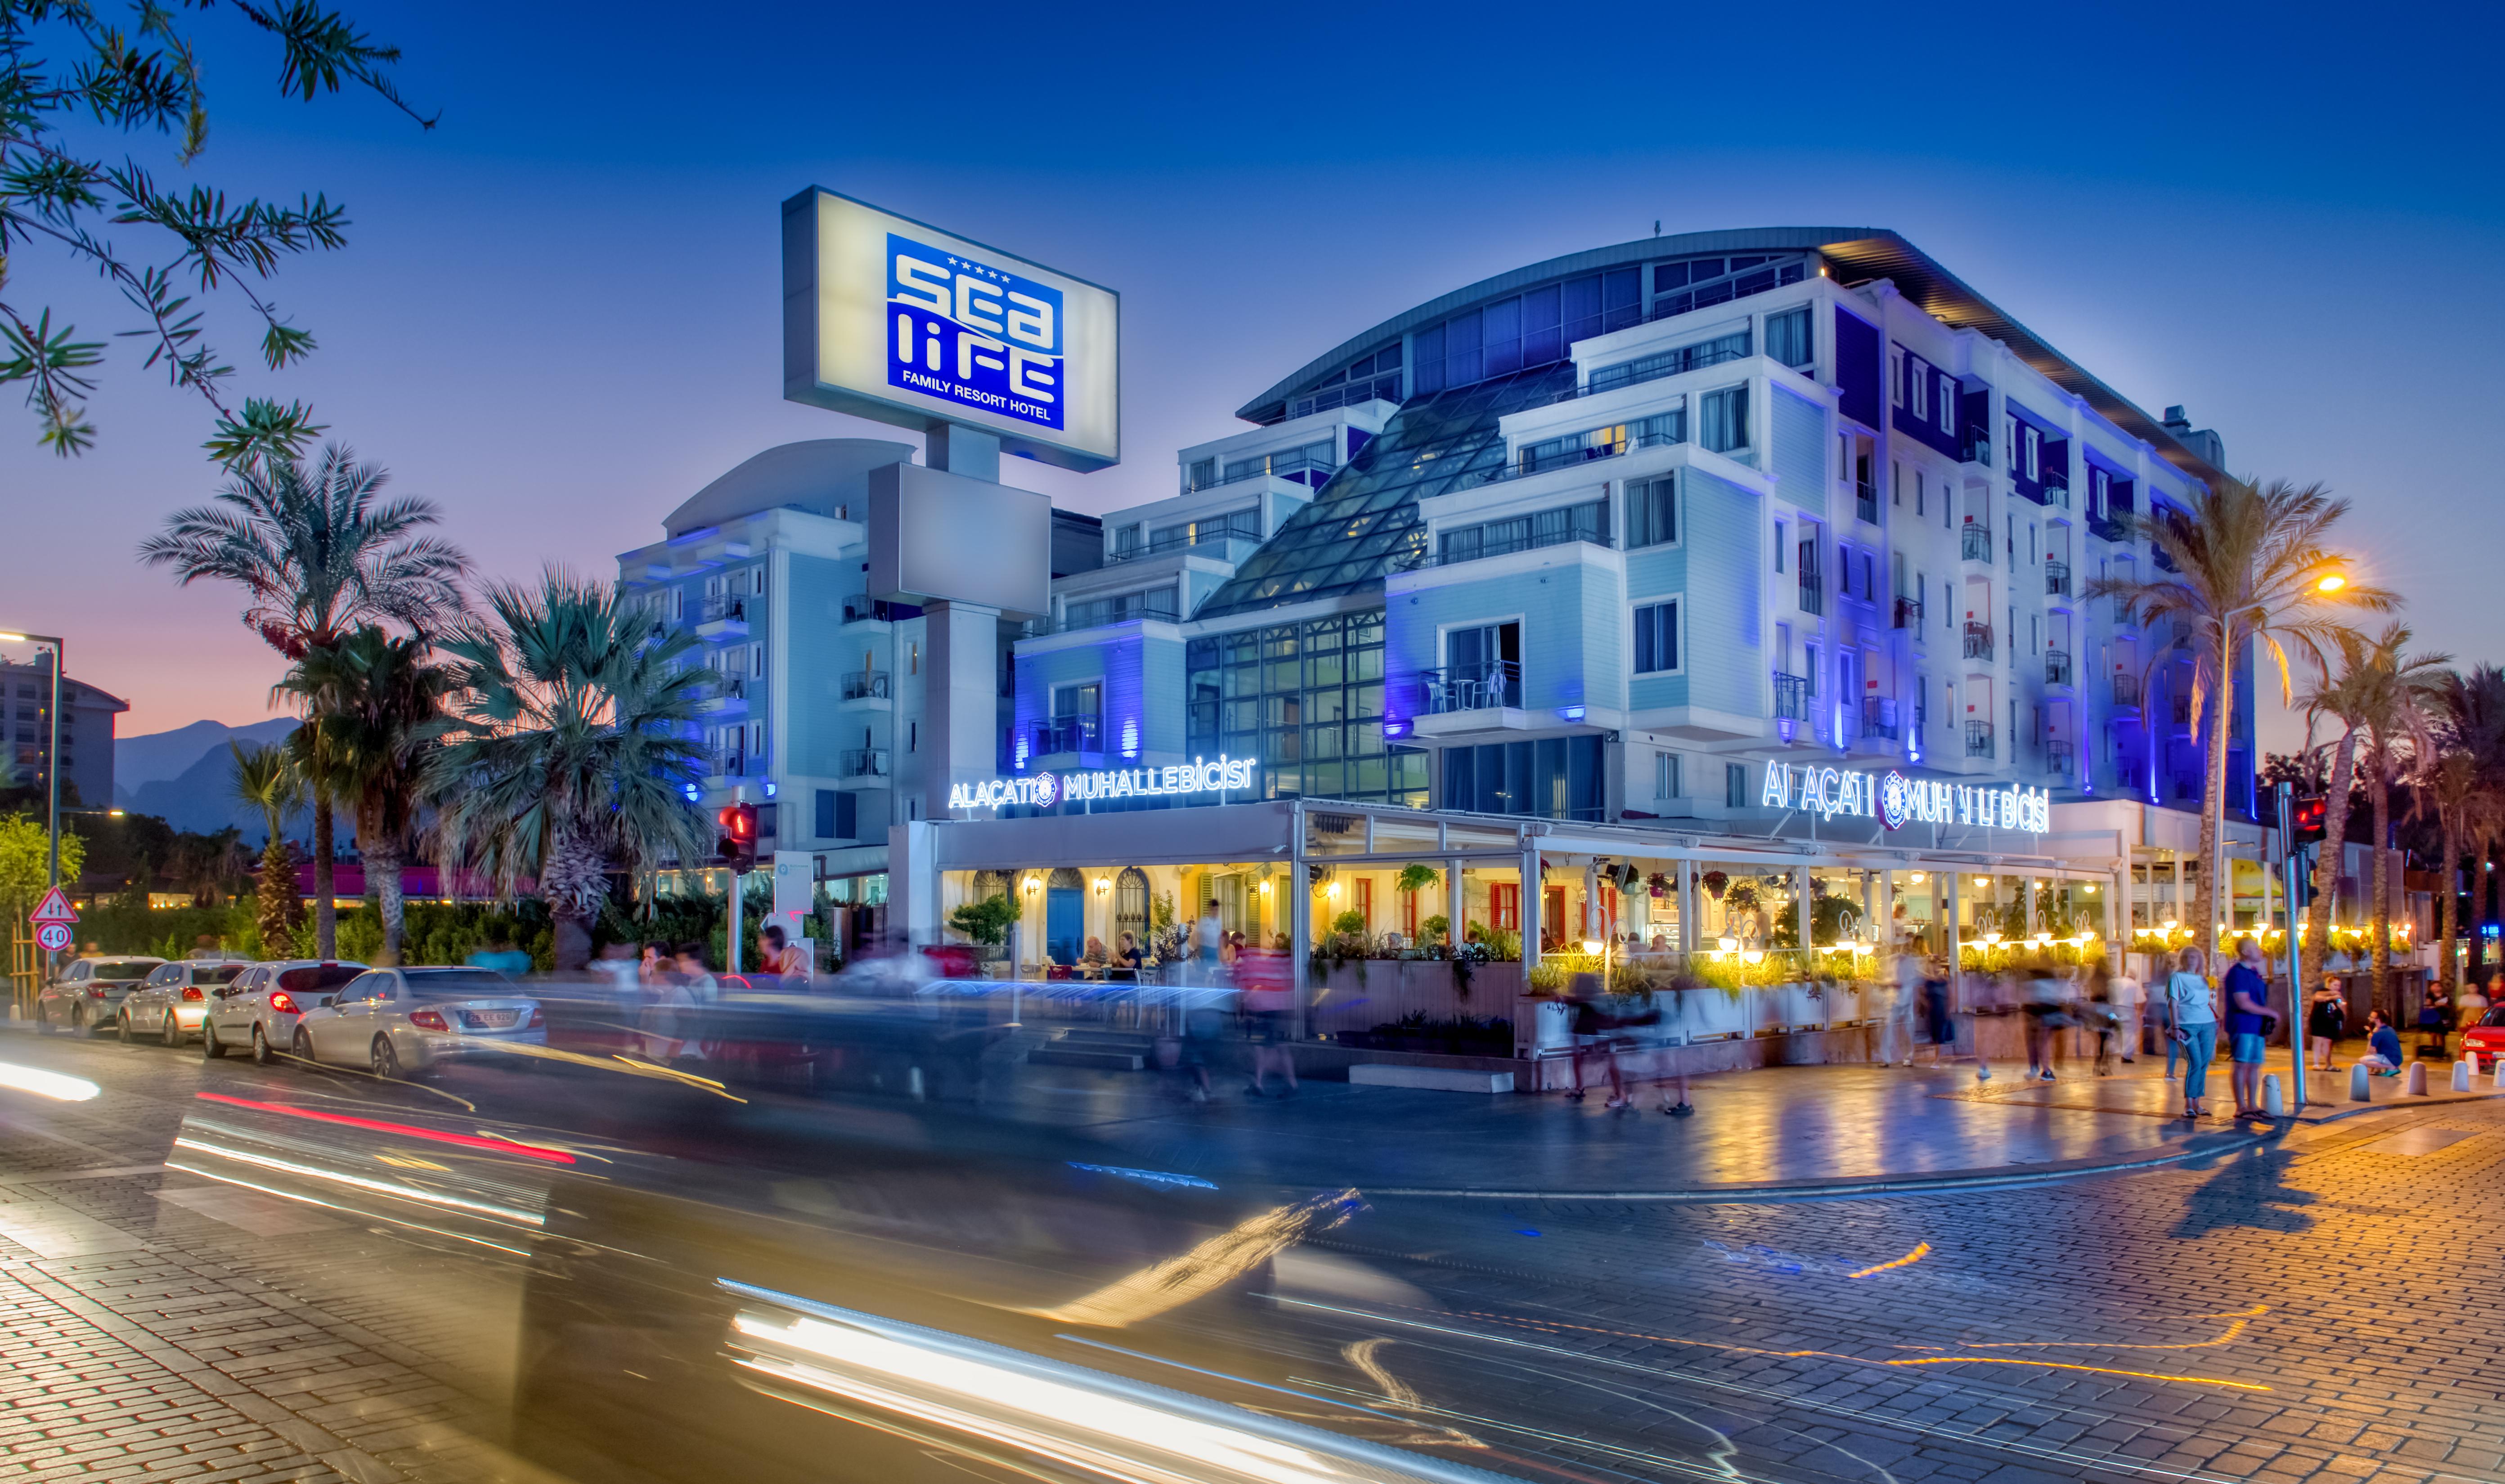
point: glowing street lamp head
(2330, 582)
(1592, 945)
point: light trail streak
(1176, 1280)
(358, 1182)
(47, 1084)
(1921, 1251)
(355, 1210)
(498, 1145)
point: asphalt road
(2318, 1308)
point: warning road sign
(54, 907)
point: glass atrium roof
(1364, 520)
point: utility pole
(2289, 855)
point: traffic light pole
(2289, 855)
(730, 952)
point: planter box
(1346, 999)
(1708, 1014)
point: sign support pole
(2289, 855)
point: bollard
(2361, 1084)
(2418, 1079)
(2497, 1079)
(2274, 1102)
(2461, 1076)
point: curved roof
(1857, 254)
(817, 476)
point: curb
(1954, 1179)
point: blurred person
(1267, 1001)
(615, 966)
(779, 956)
(2435, 1021)
(2049, 1013)
(1987, 997)
(2250, 1021)
(1230, 948)
(2326, 1020)
(2124, 995)
(654, 963)
(2383, 1055)
(2100, 1013)
(1096, 956)
(2195, 1020)
(1684, 987)
(1937, 1023)
(1208, 941)
(1127, 953)
(502, 956)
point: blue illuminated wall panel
(815, 586)
(1799, 436)
(1726, 659)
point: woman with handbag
(2194, 1026)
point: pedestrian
(1127, 954)
(2099, 1012)
(1988, 997)
(2250, 1023)
(501, 956)
(1903, 990)
(2048, 1015)
(2126, 995)
(2326, 1020)
(2383, 1055)
(2195, 1020)
(1935, 1008)
(2435, 1020)
(1208, 941)
(779, 956)
(1595, 1035)
(614, 967)
(1266, 1001)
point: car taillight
(96, 993)
(539, 1018)
(428, 1020)
(191, 996)
(281, 1003)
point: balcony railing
(1977, 446)
(719, 686)
(1978, 739)
(1908, 613)
(1865, 503)
(2057, 491)
(2057, 580)
(2182, 711)
(1978, 641)
(2108, 528)
(866, 685)
(730, 762)
(864, 762)
(725, 606)
(861, 610)
(1791, 697)
(2060, 759)
(1095, 613)
(2126, 690)
(1879, 717)
(1070, 734)
(1812, 593)
(2056, 667)
(1478, 687)
(1975, 545)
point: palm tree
(2249, 565)
(2471, 724)
(379, 706)
(571, 751)
(2469, 812)
(266, 778)
(2381, 697)
(320, 554)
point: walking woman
(2195, 1026)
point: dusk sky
(558, 314)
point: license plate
(495, 1020)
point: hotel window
(1652, 511)
(2009, 436)
(1722, 419)
(756, 659)
(1808, 668)
(1656, 638)
(1778, 546)
(1666, 782)
(1896, 375)
(1788, 337)
(2034, 454)
(1202, 474)
(1126, 539)
(756, 582)
(1735, 785)
(1948, 402)
(1921, 394)
(913, 657)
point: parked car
(260, 1009)
(171, 1003)
(405, 1022)
(2483, 1041)
(88, 994)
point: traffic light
(738, 844)
(2308, 821)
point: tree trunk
(2216, 898)
(325, 913)
(278, 903)
(382, 877)
(2379, 789)
(2326, 866)
(574, 880)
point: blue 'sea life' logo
(973, 334)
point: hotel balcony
(1976, 448)
(723, 696)
(862, 763)
(2057, 580)
(1879, 717)
(1974, 544)
(2126, 691)
(865, 686)
(1978, 641)
(2056, 490)
(2060, 759)
(724, 617)
(1978, 739)
(1909, 614)
(1067, 735)
(2057, 668)
(1457, 702)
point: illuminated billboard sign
(1896, 800)
(1045, 790)
(890, 319)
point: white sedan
(174, 1000)
(402, 1022)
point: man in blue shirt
(503, 957)
(2384, 1047)
(2248, 1020)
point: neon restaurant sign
(1042, 790)
(1896, 800)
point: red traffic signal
(738, 843)
(2307, 821)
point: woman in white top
(2195, 1026)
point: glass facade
(1307, 700)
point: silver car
(87, 995)
(405, 1022)
(261, 1009)
(173, 1001)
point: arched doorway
(1065, 916)
(1131, 904)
